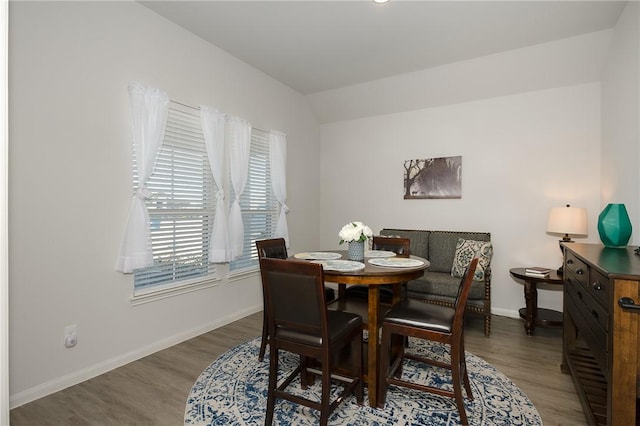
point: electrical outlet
(70, 336)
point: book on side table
(537, 272)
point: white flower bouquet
(355, 231)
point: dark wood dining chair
(300, 323)
(413, 318)
(274, 248)
(400, 246)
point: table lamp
(567, 221)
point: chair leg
(385, 347)
(356, 362)
(397, 344)
(265, 336)
(326, 393)
(465, 378)
(463, 369)
(273, 384)
(397, 373)
(457, 384)
(304, 374)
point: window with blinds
(258, 203)
(181, 205)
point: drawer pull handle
(580, 295)
(596, 285)
(595, 315)
(569, 261)
(579, 271)
(628, 303)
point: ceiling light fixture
(380, 1)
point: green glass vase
(614, 226)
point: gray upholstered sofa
(438, 285)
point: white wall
(521, 155)
(70, 185)
(620, 118)
(570, 61)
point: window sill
(243, 273)
(141, 297)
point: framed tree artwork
(433, 178)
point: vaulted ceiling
(314, 46)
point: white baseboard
(80, 376)
(505, 313)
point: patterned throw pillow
(465, 250)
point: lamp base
(565, 239)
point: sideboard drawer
(591, 310)
(599, 287)
(592, 319)
(576, 269)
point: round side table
(531, 314)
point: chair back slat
(398, 245)
(275, 248)
(463, 290)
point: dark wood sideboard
(601, 339)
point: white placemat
(340, 265)
(318, 255)
(396, 262)
(379, 253)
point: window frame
(182, 170)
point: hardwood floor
(153, 390)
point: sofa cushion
(442, 247)
(465, 251)
(441, 284)
(419, 240)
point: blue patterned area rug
(233, 391)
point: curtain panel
(213, 127)
(239, 149)
(149, 109)
(278, 156)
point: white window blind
(258, 203)
(181, 205)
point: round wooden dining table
(372, 310)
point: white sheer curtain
(278, 155)
(149, 108)
(239, 147)
(213, 127)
